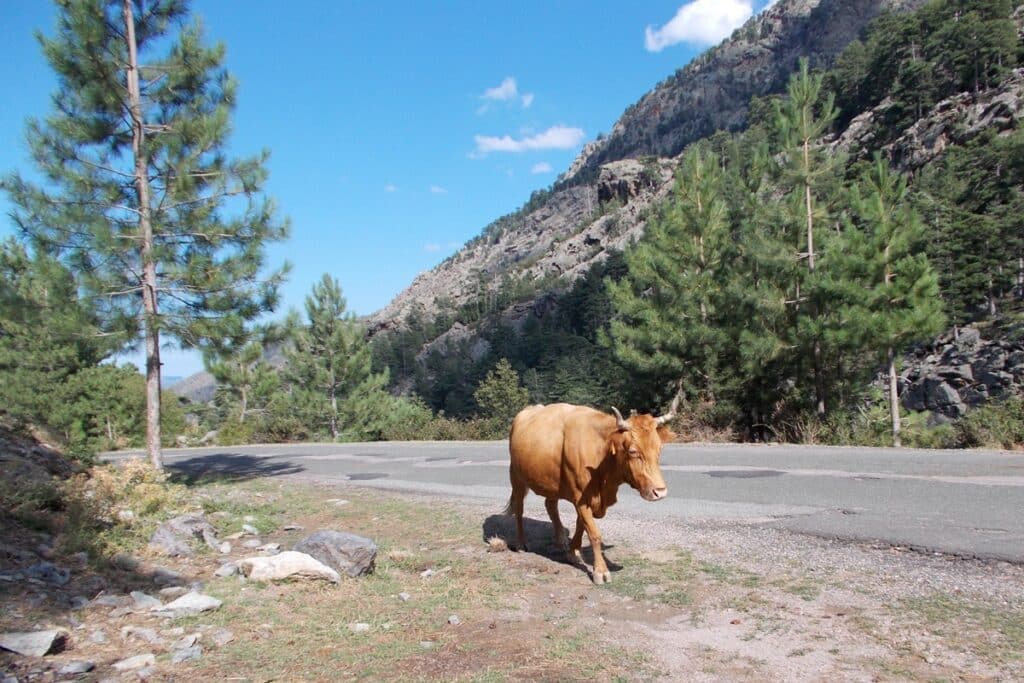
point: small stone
(186, 654)
(136, 662)
(224, 548)
(404, 597)
(172, 592)
(144, 601)
(226, 569)
(427, 644)
(250, 529)
(175, 632)
(186, 642)
(35, 643)
(75, 668)
(427, 573)
(361, 627)
(141, 633)
(222, 637)
(454, 620)
(125, 562)
(270, 548)
(48, 572)
(44, 551)
(111, 600)
(99, 637)
(162, 576)
(79, 601)
(293, 527)
(249, 518)
(252, 543)
(126, 516)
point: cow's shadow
(540, 540)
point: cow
(583, 455)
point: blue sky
(398, 130)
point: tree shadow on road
(540, 540)
(228, 468)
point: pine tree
(894, 292)
(139, 187)
(669, 305)
(801, 119)
(330, 369)
(244, 374)
(47, 333)
(500, 395)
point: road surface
(966, 503)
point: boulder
(34, 643)
(287, 565)
(342, 551)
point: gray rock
(75, 668)
(111, 600)
(186, 654)
(189, 604)
(125, 562)
(250, 529)
(222, 637)
(136, 662)
(344, 552)
(34, 643)
(404, 597)
(224, 548)
(163, 576)
(144, 600)
(147, 635)
(270, 548)
(186, 642)
(359, 628)
(98, 636)
(454, 620)
(48, 572)
(166, 542)
(226, 569)
(172, 537)
(968, 339)
(171, 592)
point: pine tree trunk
(819, 380)
(149, 280)
(334, 414)
(894, 406)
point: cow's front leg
(575, 554)
(586, 518)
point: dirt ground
(692, 601)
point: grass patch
(996, 635)
(670, 582)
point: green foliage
(500, 395)
(333, 389)
(996, 425)
(139, 189)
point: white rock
(136, 662)
(359, 628)
(188, 604)
(224, 548)
(286, 565)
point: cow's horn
(671, 411)
(622, 424)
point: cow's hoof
(574, 557)
(602, 577)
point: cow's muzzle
(653, 494)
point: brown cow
(582, 455)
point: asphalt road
(966, 503)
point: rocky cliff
(602, 200)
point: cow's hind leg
(561, 537)
(575, 553)
(515, 507)
(586, 519)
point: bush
(995, 425)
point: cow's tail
(508, 506)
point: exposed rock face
(958, 374)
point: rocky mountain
(602, 200)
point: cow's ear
(665, 434)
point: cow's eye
(634, 453)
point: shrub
(995, 425)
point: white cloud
(556, 137)
(704, 22)
(542, 167)
(390, 188)
(437, 189)
(506, 91)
